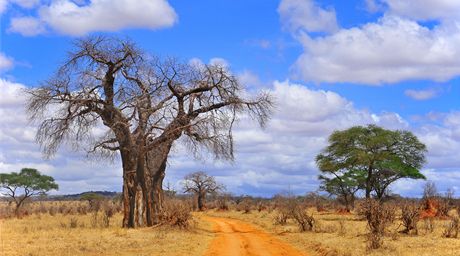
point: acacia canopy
(374, 156)
(25, 184)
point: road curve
(238, 238)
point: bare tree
(201, 184)
(429, 190)
(143, 105)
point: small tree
(429, 190)
(201, 184)
(343, 185)
(380, 156)
(94, 200)
(25, 184)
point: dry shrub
(410, 217)
(82, 209)
(284, 205)
(342, 228)
(379, 216)
(305, 222)
(261, 206)
(281, 217)
(52, 210)
(245, 205)
(321, 227)
(108, 211)
(289, 207)
(177, 213)
(444, 206)
(428, 225)
(452, 228)
(94, 219)
(42, 208)
(73, 223)
(6, 211)
(222, 202)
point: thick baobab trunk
(155, 169)
(131, 191)
(143, 186)
(201, 200)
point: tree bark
(130, 188)
(155, 172)
(200, 201)
(368, 183)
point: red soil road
(238, 238)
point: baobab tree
(144, 105)
(201, 184)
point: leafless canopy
(110, 96)
(112, 81)
(201, 184)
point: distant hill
(108, 194)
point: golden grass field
(334, 234)
(52, 236)
(337, 234)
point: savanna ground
(65, 232)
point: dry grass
(70, 233)
(73, 234)
(336, 234)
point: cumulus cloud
(422, 94)
(396, 47)
(249, 79)
(388, 51)
(307, 15)
(26, 3)
(282, 156)
(373, 5)
(3, 5)
(425, 9)
(70, 18)
(27, 26)
(5, 62)
(267, 161)
(18, 150)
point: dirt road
(235, 238)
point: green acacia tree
(25, 184)
(371, 158)
(344, 185)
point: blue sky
(332, 64)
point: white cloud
(70, 18)
(26, 3)
(396, 47)
(3, 6)
(422, 94)
(219, 62)
(267, 161)
(27, 26)
(307, 15)
(373, 6)
(388, 51)
(5, 62)
(425, 9)
(18, 150)
(282, 156)
(249, 79)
